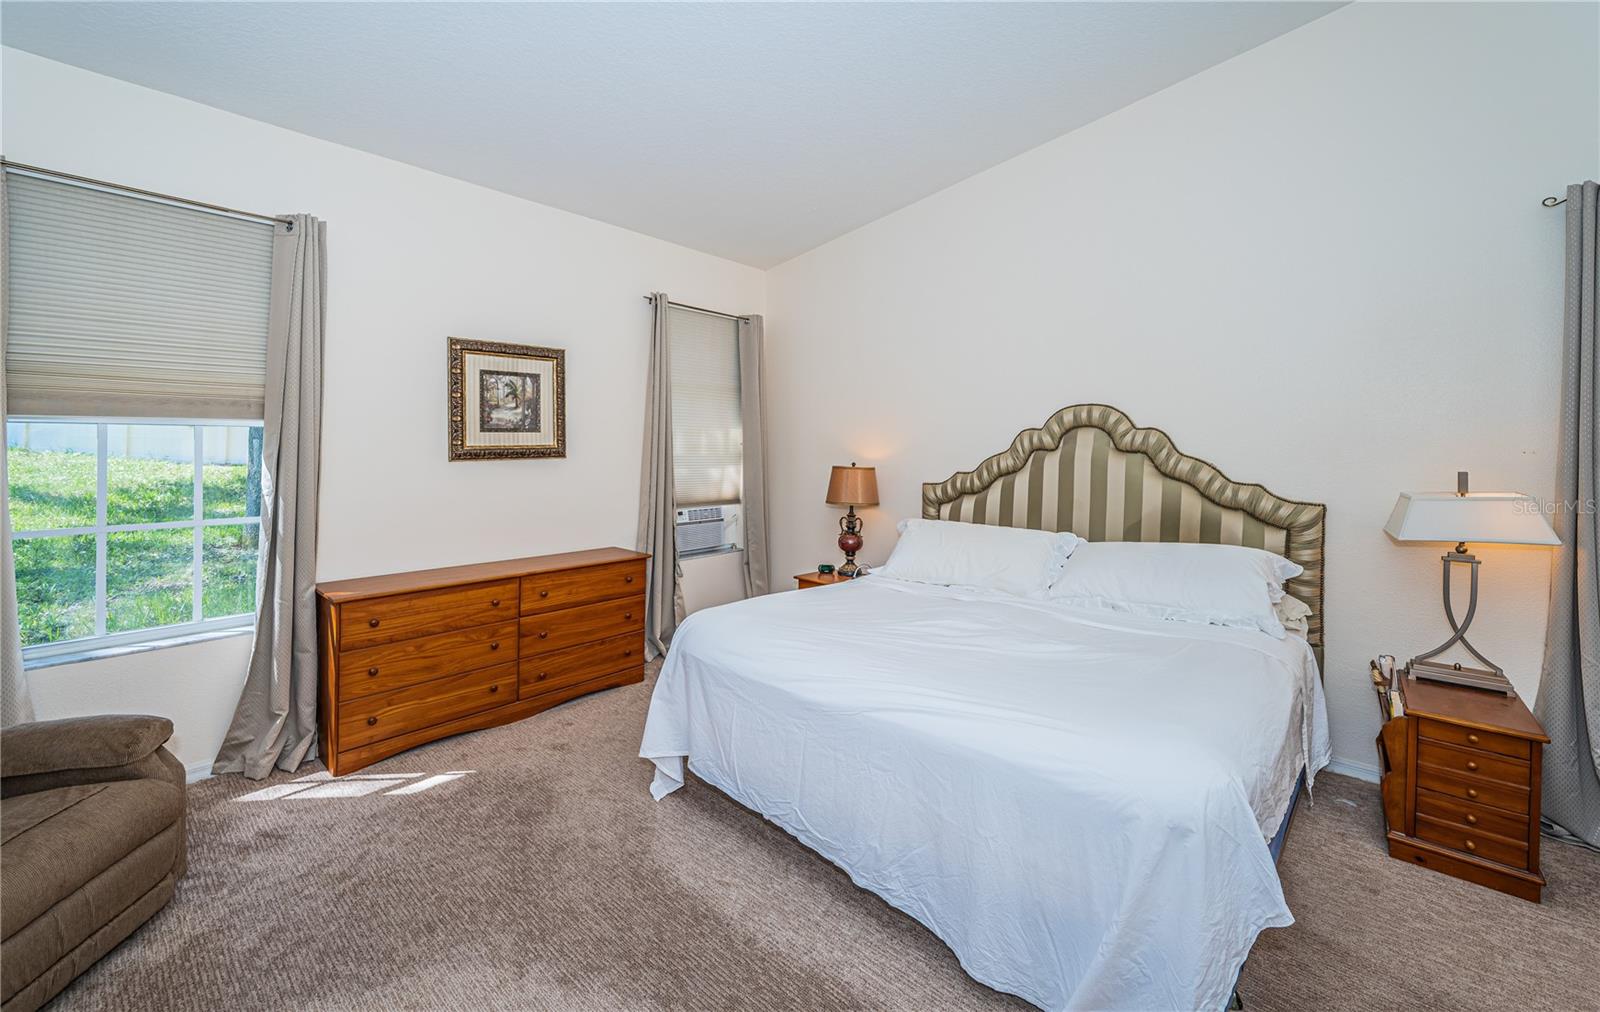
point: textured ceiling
(751, 131)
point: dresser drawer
(386, 714)
(1466, 737)
(561, 668)
(1471, 764)
(1490, 848)
(549, 591)
(571, 626)
(1501, 796)
(402, 616)
(407, 662)
(1469, 816)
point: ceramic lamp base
(850, 542)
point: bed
(1084, 805)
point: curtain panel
(275, 722)
(1568, 704)
(663, 603)
(752, 412)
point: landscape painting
(506, 401)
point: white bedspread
(1077, 802)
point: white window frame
(101, 640)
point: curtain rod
(200, 205)
(697, 309)
(1553, 201)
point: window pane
(149, 579)
(55, 588)
(231, 470)
(149, 473)
(228, 570)
(707, 431)
(51, 475)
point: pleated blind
(707, 433)
(118, 305)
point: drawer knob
(1472, 792)
(371, 721)
(1472, 764)
(1471, 845)
(541, 676)
(544, 593)
(627, 616)
(1472, 739)
(495, 603)
(627, 579)
(494, 688)
(1472, 820)
(543, 633)
(372, 622)
(495, 645)
(372, 672)
(628, 652)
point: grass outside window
(125, 531)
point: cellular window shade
(707, 433)
(118, 305)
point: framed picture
(506, 401)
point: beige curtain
(752, 412)
(1569, 687)
(275, 722)
(663, 603)
(16, 707)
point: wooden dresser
(1461, 785)
(408, 658)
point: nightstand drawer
(1471, 764)
(1490, 848)
(1468, 815)
(1466, 737)
(1500, 796)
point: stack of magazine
(1386, 682)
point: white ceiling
(752, 131)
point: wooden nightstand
(816, 579)
(1461, 785)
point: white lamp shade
(1497, 518)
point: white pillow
(1215, 584)
(950, 553)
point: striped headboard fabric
(1091, 471)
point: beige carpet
(546, 878)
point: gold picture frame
(507, 401)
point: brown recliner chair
(91, 844)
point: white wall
(1321, 265)
(414, 257)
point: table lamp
(1501, 518)
(852, 486)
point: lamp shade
(853, 486)
(1499, 518)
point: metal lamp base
(1491, 676)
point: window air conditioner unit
(703, 529)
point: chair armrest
(54, 753)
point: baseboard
(1361, 771)
(197, 771)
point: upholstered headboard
(1091, 471)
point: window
(128, 530)
(135, 363)
(707, 431)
